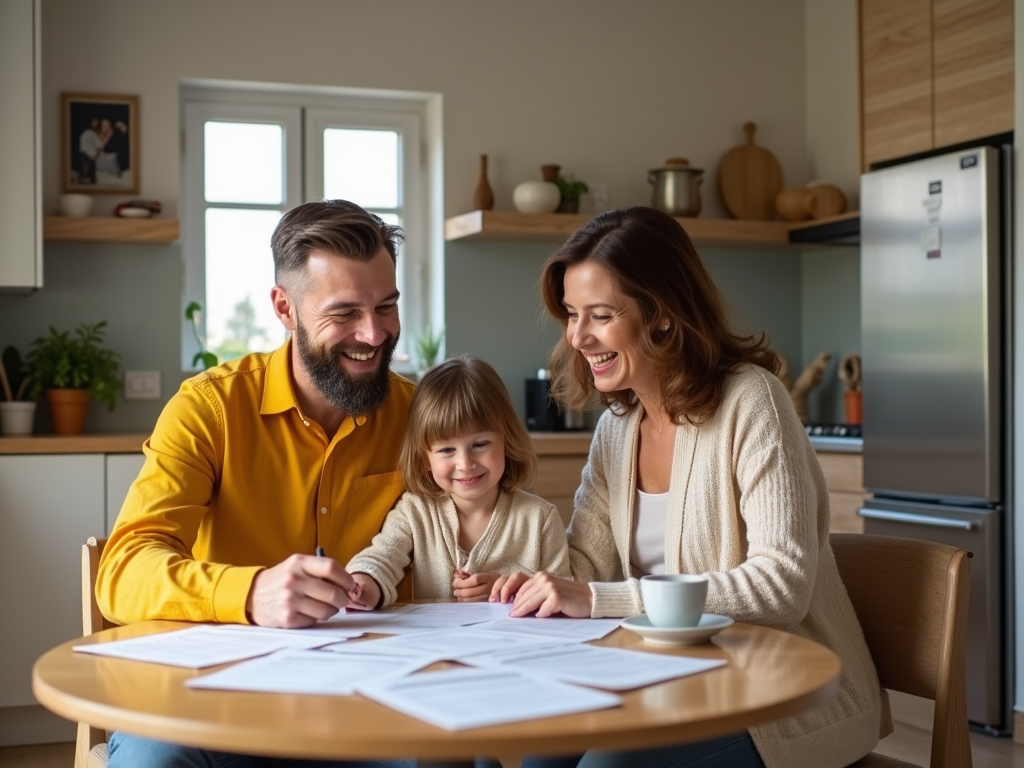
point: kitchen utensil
(710, 625)
(849, 371)
(790, 204)
(749, 179)
(821, 200)
(676, 187)
(674, 599)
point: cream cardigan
(748, 507)
(524, 534)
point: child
(464, 519)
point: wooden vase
(68, 408)
(483, 195)
(854, 406)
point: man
(255, 464)
(89, 147)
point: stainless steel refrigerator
(934, 282)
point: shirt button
(323, 510)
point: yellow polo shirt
(236, 480)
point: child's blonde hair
(460, 396)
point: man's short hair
(334, 226)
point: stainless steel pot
(676, 187)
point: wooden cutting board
(749, 178)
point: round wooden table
(769, 674)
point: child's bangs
(459, 413)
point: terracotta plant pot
(854, 406)
(68, 408)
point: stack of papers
(521, 668)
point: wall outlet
(142, 385)
(599, 196)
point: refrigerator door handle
(904, 517)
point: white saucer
(710, 625)
(135, 213)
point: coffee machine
(542, 413)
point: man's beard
(352, 395)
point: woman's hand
(505, 588)
(473, 589)
(548, 595)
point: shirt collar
(279, 391)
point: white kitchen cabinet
(21, 249)
(49, 506)
(122, 469)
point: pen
(319, 551)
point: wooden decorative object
(808, 379)
(823, 200)
(749, 179)
(483, 196)
(790, 204)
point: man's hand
(367, 593)
(548, 595)
(299, 592)
(473, 589)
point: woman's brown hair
(460, 396)
(651, 259)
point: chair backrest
(911, 598)
(92, 621)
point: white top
(647, 549)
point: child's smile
(470, 468)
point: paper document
(575, 630)
(207, 646)
(298, 671)
(615, 669)
(448, 644)
(420, 618)
(455, 699)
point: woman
(700, 465)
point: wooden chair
(91, 745)
(911, 598)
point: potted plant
(16, 411)
(428, 346)
(194, 315)
(570, 190)
(73, 370)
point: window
(252, 154)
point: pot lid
(677, 164)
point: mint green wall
(136, 289)
(830, 320)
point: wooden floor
(906, 743)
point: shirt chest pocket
(371, 499)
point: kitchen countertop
(544, 443)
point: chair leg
(88, 737)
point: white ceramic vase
(536, 197)
(75, 205)
(16, 417)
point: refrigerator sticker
(968, 162)
(931, 242)
(934, 187)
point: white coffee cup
(674, 599)
(75, 205)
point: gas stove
(833, 430)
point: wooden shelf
(554, 227)
(87, 443)
(109, 229)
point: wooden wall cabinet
(933, 73)
(21, 248)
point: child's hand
(505, 587)
(366, 594)
(473, 589)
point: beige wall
(832, 96)
(606, 88)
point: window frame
(416, 116)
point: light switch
(142, 385)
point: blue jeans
(127, 751)
(734, 751)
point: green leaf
(191, 309)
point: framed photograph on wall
(100, 140)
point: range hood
(843, 229)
